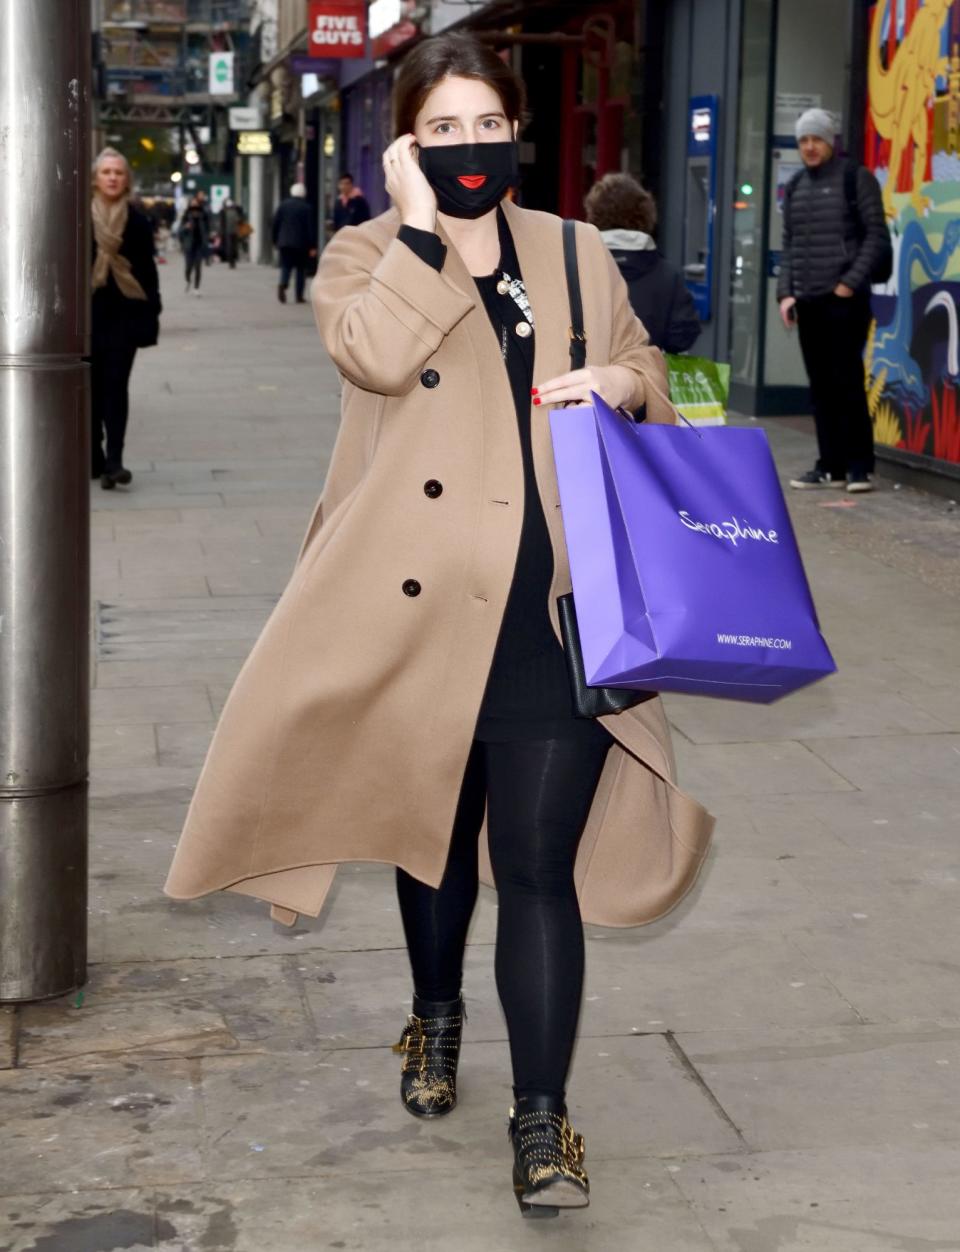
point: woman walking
(409, 700)
(126, 310)
(195, 241)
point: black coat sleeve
(873, 223)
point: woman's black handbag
(587, 701)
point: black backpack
(883, 267)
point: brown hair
(618, 201)
(459, 55)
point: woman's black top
(528, 690)
(117, 321)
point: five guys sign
(337, 28)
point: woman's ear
(516, 130)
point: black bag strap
(578, 339)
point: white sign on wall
(244, 117)
(221, 74)
(384, 14)
(788, 107)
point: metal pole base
(43, 869)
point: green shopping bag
(699, 388)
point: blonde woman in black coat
(126, 310)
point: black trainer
(548, 1173)
(859, 482)
(816, 478)
(430, 1046)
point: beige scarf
(109, 223)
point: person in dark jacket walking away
(835, 243)
(295, 235)
(350, 208)
(231, 215)
(626, 216)
(195, 240)
(125, 307)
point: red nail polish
(534, 391)
(536, 400)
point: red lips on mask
(472, 181)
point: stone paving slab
(854, 703)
(829, 1087)
(8, 1037)
(784, 768)
(826, 1200)
(102, 1124)
(117, 706)
(916, 761)
(395, 1210)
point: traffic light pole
(45, 53)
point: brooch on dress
(514, 288)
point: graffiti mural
(913, 147)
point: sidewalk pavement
(773, 1067)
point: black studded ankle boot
(430, 1045)
(548, 1173)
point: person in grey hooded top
(625, 214)
(834, 241)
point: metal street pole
(45, 52)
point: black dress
(528, 689)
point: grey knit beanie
(817, 122)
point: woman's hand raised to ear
(614, 383)
(407, 186)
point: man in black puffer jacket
(835, 244)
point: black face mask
(490, 170)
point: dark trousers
(833, 334)
(537, 796)
(109, 405)
(294, 259)
(231, 250)
(194, 266)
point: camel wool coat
(348, 729)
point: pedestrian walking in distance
(351, 208)
(231, 215)
(625, 214)
(295, 235)
(835, 244)
(195, 240)
(409, 700)
(125, 310)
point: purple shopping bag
(686, 572)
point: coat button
(430, 378)
(432, 488)
(411, 587)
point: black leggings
(194, 266)
(109, 405)
(538, 796)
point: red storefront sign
(337, 28)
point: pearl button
(524, 330)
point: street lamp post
(45, 53)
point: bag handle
(578, 339)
